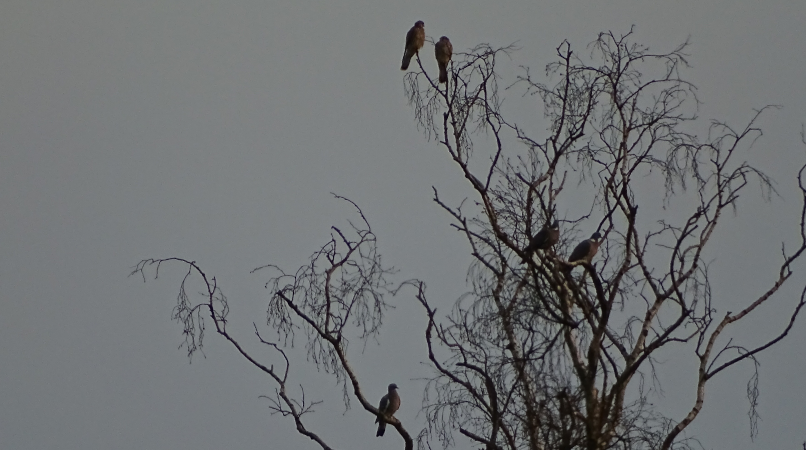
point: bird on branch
(586, 250)
(544, 239)
(415, 39)
(443, 50)
(388, 406)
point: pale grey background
(216, 130)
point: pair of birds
(388, 406)
(443, 49)
(549, 235)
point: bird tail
(406, 59)
(381, 429)
(443, 74)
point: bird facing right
(586, 249)
(443, 50)
(415, 39)
(388, 405)
(545, 238)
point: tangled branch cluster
(536, 357)
(544, 351)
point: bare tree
(545, 352)
(340, 291)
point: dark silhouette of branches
(544, 351)
(536, 356)
(341, 290)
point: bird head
(392, 387)
(555, 225)
(596, 236)
(419, 24)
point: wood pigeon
(544, 239)
(389, 404)
(586, 249)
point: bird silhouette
(545, 238)
(389, 404)
(443, 50)
(586, 250)
(415, 39)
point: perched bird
(586, 249)
(415, 39)
(545, 238)
(443, 51)
(389, 404)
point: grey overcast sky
(215, 130)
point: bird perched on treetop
(415, 39)
(545, 238)
(389, 404)
(586, 249)
(443, 51)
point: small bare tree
(545, 352)
(341, 290)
